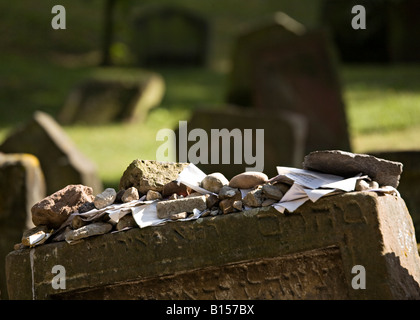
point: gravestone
(100, 101)
(409, 181)
(61, 162)
(298, 75)
(256, 254)
(169, 35)
(22, 184)
(283, 145)
(252, 38)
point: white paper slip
(192, 176)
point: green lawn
(382, 104)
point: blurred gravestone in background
(61, 162)
(22, 184)
(299, 76)
(169, 35)
(283, 67)
(100, 101)
(392, 30)
(284, 138)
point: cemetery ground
(382, 106)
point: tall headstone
(284, 68)
(22, 184)
(252, 38)
(283, 140)
(169, 35)
(61, 162)
(99, 101)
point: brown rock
(173, 187)
(130, 194)
(211, 200)
(214, 182)
(226, 205)
(56, 208)
(126, 222)
(248, 180)
(346, 164)
(153, 195)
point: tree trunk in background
(108, 29)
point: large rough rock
(22, 184)
(169, 207)
(256, 254)
(61, 161)
(53, 210)
(346, 164)
(148, 175)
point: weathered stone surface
(93, 229)
(104, 199)
(153, 195)
(130, 194)
(61, 161)
(410, 177)
(214, 182)
(211, 200)
(363, 185)
(248, 180)
(346, 164)
(227, 205)
(311, 252)
(22, 184)
(53, 210)
(254, 198)
(148, 175)
(104, 100)
(273, 191)
(166, 208)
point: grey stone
(248, 180)
(346, 164)
(272, 191)
(268, 202)
(104, 199)
(93, 229)
(54, 210)
(130, 194)
(254, 198)
(168, 207)
(322, 241)
(61, 161)
(227, 192)
(148, 175)
(214, 182)
(153, 195)
(237, 205)
(86, 207)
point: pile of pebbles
(148, 181)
